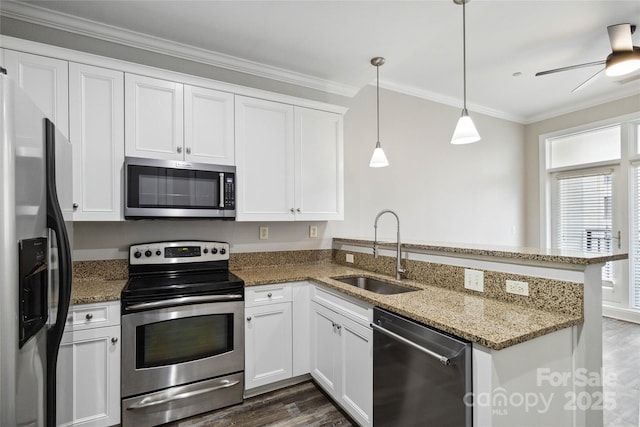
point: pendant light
(378, 158)
(465, 132)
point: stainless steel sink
(374, 285)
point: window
(582, 217)
(582, 148)
(635, 238)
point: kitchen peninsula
(517, 339)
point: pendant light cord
(378, 101)
(464, 54)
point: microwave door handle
(221, 203)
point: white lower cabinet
(88, 387)
(268, 335)
(342, 355)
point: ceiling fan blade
(588, 81)
(620, 37)
(570, 67)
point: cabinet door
(97, 135)
(153, 118)
(45, 80)
(94, 381)
(264, 160)
(268, 344)
(324, 361)
(319, 165)
(356, 376)
(208, 126)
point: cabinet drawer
(358, 311)
(268, 294)
(86, 316)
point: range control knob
(158, 252)
(214, 251)
(223, 251)
(147, 253)
(137, 254)
(206, 251)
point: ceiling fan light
(378, 158)
(465, 132)
(623, 62)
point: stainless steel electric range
(182, 332)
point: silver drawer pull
(443, 359)
(89, 316)
(146, 402)
(184, 300)
(114, 340)
(249, 319)
(269, 295)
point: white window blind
(635, 239)
(584, 214)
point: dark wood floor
(305, 405)
(297, 406)
(621, 356)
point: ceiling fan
(623, 59)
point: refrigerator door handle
(55, 221)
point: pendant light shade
(465, 132)
(378, 158)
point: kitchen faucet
(399, 269)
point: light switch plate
(313, 231)
(474, 280)
(349, 258)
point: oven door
(171, 346)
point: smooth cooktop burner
(157, 286)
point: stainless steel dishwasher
(420, 375)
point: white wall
(442, 192)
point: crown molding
(85, 27)
(451, 101)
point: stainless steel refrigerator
(35, 257)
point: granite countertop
(504, 253)
(494, 324)
(491, 323)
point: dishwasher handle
(442, 359)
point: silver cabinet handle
(179, 150)
(443, 359)
(293, 210)
(269, 295)
(89, 316)
(75, 206)
(249, 319)
(114, 340)
(146, 402)
(298, 210)
(188, 150)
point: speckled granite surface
(437, 301)
(508, 254)
(494, 324)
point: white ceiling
(328, 44)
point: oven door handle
(146, 402)
(184, 300)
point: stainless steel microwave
(175, 189)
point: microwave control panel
(229, 191)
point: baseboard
(625, 314)
(276, 386)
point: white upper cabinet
(208, 126)
(289, 162)
(45, 80)
(172, 121)
(153, 124)
(264, 160)
(318, 166)
(96, 110)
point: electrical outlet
(350, 258)
(516, 287)
(474, 280)
(313, 231)
(264, 233)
